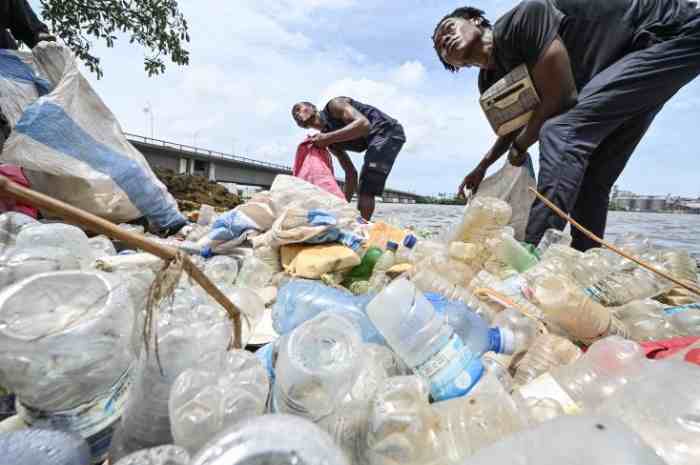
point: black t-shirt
(596, 33)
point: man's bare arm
(357, 126)
(555, 84)
(349, 169)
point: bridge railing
(206, 152)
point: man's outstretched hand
(472, 181)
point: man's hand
(472, 181)
(350, 184)
(321, 140)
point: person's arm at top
(357, 126)
(556, 87)
(349, 169)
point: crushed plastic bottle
(482, 217)
(301, 300)
(405, 253)
(222, 270)
(10, 225)
(511, 252)
(552, 237)
(379, 278)
(624, 286)
(363, 271)
(547, 351)
(161, 455)
(254, 274)
(645, 320)
(685, 319)
(59, 235)
(224, 389)
(102, 246)
(425, 341)
(571, 440)
(64, 351)
(18, 263)
(317, 366)
(187, 327)
(272, 439)
(608, 365)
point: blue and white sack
(70, 143)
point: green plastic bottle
(363, 271)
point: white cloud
(410, 74)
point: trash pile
(371, 346)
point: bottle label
(682, 309)
(452, 372)
(546, 387)
(595, 293)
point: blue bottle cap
(391, 245)
(410, 241)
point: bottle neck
(501, 341)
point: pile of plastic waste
(366, 345)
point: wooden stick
(690, 287)
(99, 225)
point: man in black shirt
(603, 70)
(347, 125)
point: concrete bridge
(222, 167)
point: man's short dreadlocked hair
(466, 12)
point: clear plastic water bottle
(663, 407)
(273, 439)
(482, 217)
(34, 446)
(161, 455)
(425, 341)
(65, 351)
(102, 246)
(624, 286)
(300, 300)
(317, 366)
(254, 274)
(187, 328)
(509, 251)
(10, 225)
(471, 327)
(63, 236)
(405, 253)
(224, 389)
(646, 320)
(685, 319)
(552, 237)
(547, 351)
(222, 270)
(379, 278)
(608, 365)
(571, 440)
(524, 329)
(17, 263)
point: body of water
(665, 229)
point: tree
(156, 25)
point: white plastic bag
(72, 145)
(511, 184)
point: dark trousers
(583, 151)
(20, 19)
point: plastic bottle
(523, 328)
(65, 351)
(426, 249)
(363, 271)
(224, 389)
(102, 246)
(379, 279)
(300, 300)
(685, 319)
(222, 270)
(482, 217)
(645, 320)
(567, 306)
(273, 439)
(471, 327)
(552, 237)
(624, 286)
(254, 274)
(404, 255)
(317, 366)
(161, 455)
(498, 366)
(442, 275)
(571, 440)
(425, 341)
(663, 407)
(43, 447)
(546, 352)
(187, 328)
(463, 252)
(608, 365)
(17, 263)
(206, 215)
(59, 235)
(680, 264)
(511, 252)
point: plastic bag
(313, 261)
(511, 184)
(314, 165)
(71, 145)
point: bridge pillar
(183, 166)
(212, 171)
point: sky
(251, 60)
